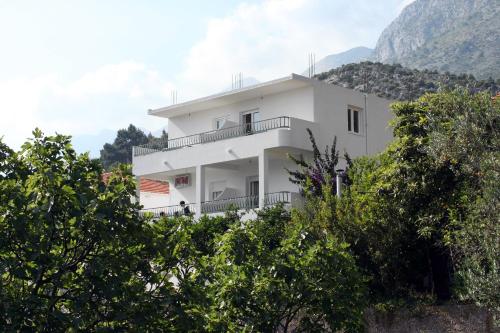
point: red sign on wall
(182, 181)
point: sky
(89, 67)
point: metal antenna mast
(312, 65)
(237, 81)
(174, 96)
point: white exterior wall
(297, 103)
(152, 200)
(331, 104)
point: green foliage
(466, 136)
(273, 275)
(423, 215)
(74, 254)
(322, 170)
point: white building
(231, 147)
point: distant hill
(459, 36)
(356, 54)
(400, 83)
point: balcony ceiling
(290, 82)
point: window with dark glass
(349, 120)
(353, 120)
(356, 121)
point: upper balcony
(211, 136)
(232, 143)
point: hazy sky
(87, 68)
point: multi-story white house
(232, 148)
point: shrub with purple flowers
(312, 176)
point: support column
(200, 188)
(263, 177)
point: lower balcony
(174, 210)
(219, 206)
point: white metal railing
(211, 136)
(175, 210)
(217, 206)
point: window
(349, 127)
(216, 194)
(251, 120)
(219, 122)
(216, 188)
(353, 120)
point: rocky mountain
(458, 36)
(400, 83)
(356, 54)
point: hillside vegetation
(400, 83)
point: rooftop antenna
(174, 96)
(312, 65)
(237, 81)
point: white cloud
(105, 80)
(110, 97)
(264, 40)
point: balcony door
(250, 121)
(253, 191)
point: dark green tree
(74, 253)
(120, 151)
(281, 274)
(425, 209)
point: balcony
(212, 136)
(175, 210)
(219, 206)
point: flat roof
(286, 83)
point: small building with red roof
(152, 193)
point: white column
(263, 177)
(200, 188)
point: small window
(353, 120)
(349, 127)
(219, 123)
(216, 188)
(356, 121)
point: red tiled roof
(147, 185)
(154, 186)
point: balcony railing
(271, 199)
(211, 136)
(176, 210)
(216, 206)
(246, 202)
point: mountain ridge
(400, 83)
(459, 36)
